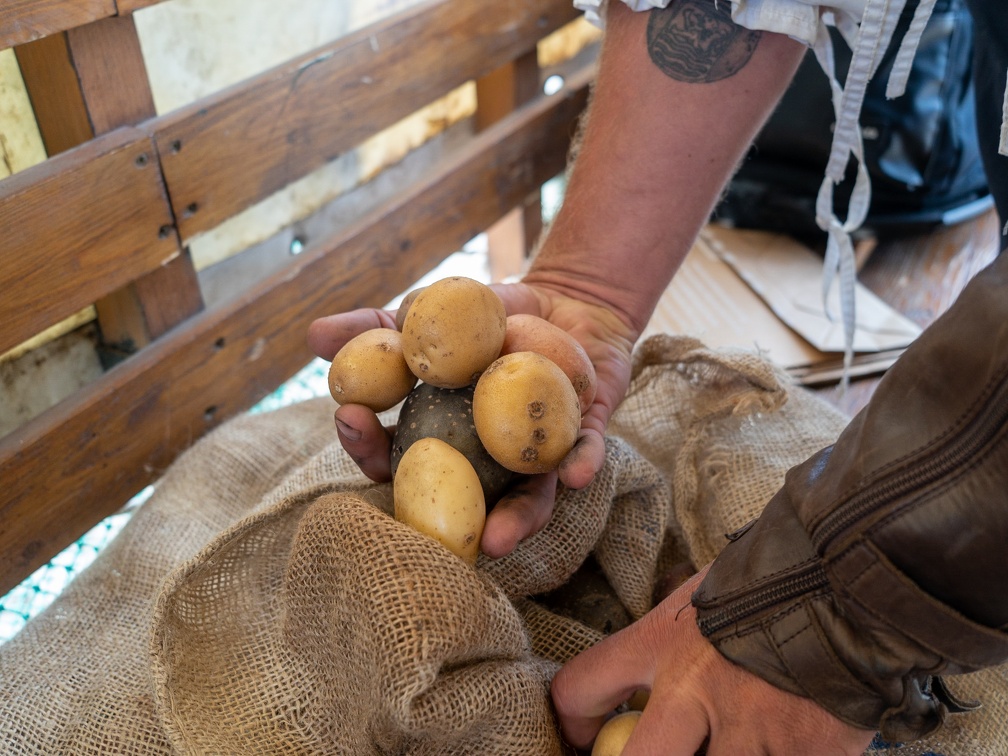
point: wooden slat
(86, 82)
(223, 155)
(77, 227)
(54, 91)
(128, 6)
(81, 460)
(112, 73)
(510, 239)
(26, 20)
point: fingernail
(351, 434)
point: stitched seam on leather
(763, 624)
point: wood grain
(77, 227)
(27, 20)
(222, 155)
(83, 459)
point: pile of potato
(487, 396)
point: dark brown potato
(446, 414)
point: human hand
(526, 508)
(699, 701)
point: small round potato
(437, 492)
(370, 369)
(452, 331)
(529, 333)
(615, 733)
(526, 412)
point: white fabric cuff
(795, 18)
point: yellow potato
(529, 333)
(437, 492)
(370, 369)
(526, 413)
(614, 734)
(453, 330)
(404, 306)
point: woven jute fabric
(264, 600)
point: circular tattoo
(697, 41)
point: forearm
(679, 96)
(880, 563)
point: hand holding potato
(698, 699)
(607, 341)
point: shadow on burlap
(264, 601)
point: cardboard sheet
(763, 291)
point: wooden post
(511, 239)
(82, 83)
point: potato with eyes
(526, 412)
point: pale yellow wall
(20, 142)
(196, 47)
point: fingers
(579, 468)
(523, 511)
(327, 335)
(670, 726)
(366, 440)
(587, 689)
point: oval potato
(530, 333)
(614, 734)
(437, 492)
(370, 369)
(526, 412)
(453, 330)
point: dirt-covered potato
(370, 369)
(452, 331)
(446, 414)
(529, 333)
(615, 733)
(526, 412)
(589, 598)
(437, 492)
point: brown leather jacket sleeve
(882, 563)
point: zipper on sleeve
(947, 459)
(974, 439)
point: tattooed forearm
(697, 41)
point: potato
(437, 492)
(614, 734)
(404, 306)
(446, 414)
(529, 333)
(526, 412)
(453, 330)
(370, 369)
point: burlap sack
(263, 601)
(322, 625)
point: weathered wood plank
(54, 92)
(510, 240)
(128, 6)
(84, 458)
(27, 20)
(77, 227)
(222, 155)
